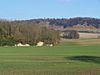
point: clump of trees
(13, 32)
(72, 34)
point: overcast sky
(29, 9)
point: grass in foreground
(57, 60)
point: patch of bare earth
(89, 35)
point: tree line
(13, 32)
(69, 22)
(35, 30)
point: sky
(32, 9)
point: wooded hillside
(68, 22)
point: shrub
(7, 42)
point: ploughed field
(58, 60)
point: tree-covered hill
(68, 22)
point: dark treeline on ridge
(69, 22)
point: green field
(58, 60)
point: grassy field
(69, 58)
